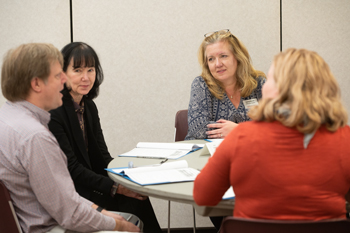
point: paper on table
(161, 150)
(152, 167)
(229, 194)
(209, 148)
(158, 174)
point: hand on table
(121, 223)
(127, 192)
(221, 129)
(113, 215)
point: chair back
(8, 218)
(242, 225)
(181, 125)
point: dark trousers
(142, 209)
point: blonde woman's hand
(221, 129)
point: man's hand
(123, 225)
(113, 215)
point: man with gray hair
(32, 165)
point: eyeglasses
(223, 31)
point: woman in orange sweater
(293, 160)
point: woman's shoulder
(344, 131)
(260, 128)
(258, 124)
(90, 103)
(199, 82)
(261, 80)
(257, 92)
(198, 79)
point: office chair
(243, 225)
(8, 218)
(181, 127)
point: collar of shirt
(40, 114)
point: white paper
(156, 174)
(164, 176)
(164, 145)
(229, 194)
(161, 150)
(154, 167)
(209, 148)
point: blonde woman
(293, 160)
(226, 89)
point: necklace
(230, 96)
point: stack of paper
(159, 150)
(170, 172)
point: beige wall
(322, 26)
(33, 21)
(148, 50)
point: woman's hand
(127, 192)
(221, 128)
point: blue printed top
(204, 107)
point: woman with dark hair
(76, 125)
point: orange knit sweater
(274, 177)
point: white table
(179, 192)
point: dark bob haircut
(83, 55)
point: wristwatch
(114, 189)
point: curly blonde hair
(309, 95)
(245, 73)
